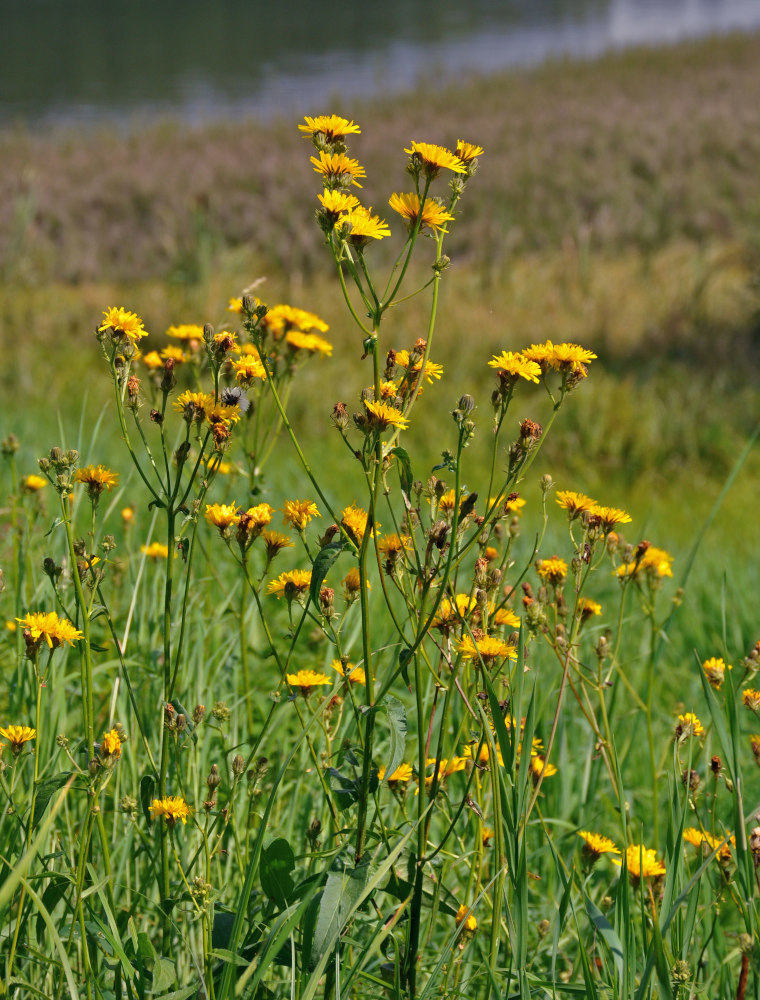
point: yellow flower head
(400, 776)
(451, 613)
(186, 331)
(17, 736)
(310, 342)
(354, 520)
(170, 809)
(192, 405)
(506, 616)
(516, 366)
(359, 226)
(539, 766)
(173, 353)
(751, 699)
(306, 680)
(650, 561)
(352, 582)
(337, 203)
(432, 371)
(248, 370)
(352, 673)
(432, 159)
(470, 923)
(641, 862)
(688, 725)
(607, 517)
(714, 668)
(96, 478)
(39, 625)
(595, 845)
(275, 541)
(33, 484)
(332, 127)
(111, 745)
(382, 415)
(434, 213)
(553, 570)
(222, 515)
(221, 414)
(156, 550)
(574, 503)
(281, 319)
(489, 649)
(588, 608)
(560, 357)
(123, 323)
(391, 546)
(298, 513)
(290, 584)
(152, 360)
(467, 151)
(338, 170)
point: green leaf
(164, 974)
(147, 786)
(51, 897)
(325, 558)
(610, 938)
(277, 864)
(404, 470)
(342, 892)
(397, 719)
(45, 789)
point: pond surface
(88, 61)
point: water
(87, 61)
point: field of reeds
(381, 609)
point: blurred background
(149, 157)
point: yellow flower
(306, 680)
(488, 649)
(247, 370)
(173, 353)
(688, 725)
(275, 541)
(337, 169)
(352, 673)
(446, 502)
(336, 203)
(553, 570)
(391, 546)
(450, 614)
(561, 357)
(281, 319)
(152, 360)
(470, 923)
(290, 584)
(127, 515)
(187, 331)
(432, 371)
(222, 515)
(111, 745)
(608, 516)
(751, 699)
(17, 736)
(505, 616)
(156, 550)
(574, 503)
(382, 415)
(48, 626)
(352, 583)
(354, 520)
(539, 766)
(192, 405)
(32, 483)
(332, 127)
(434, 214)
(128, 324)
(235, 305)
(96, 478)
(595, 845)
(311, 342)
(219, 413)
(359, 226)
(514, 504)
(714, 668)
(641, 862)
(516, 366)
(587, 608)
(710, 843)
(170, 809)
(401, 775)
(651, 562)
(298, 513)
(255, 519)
(434, 158)
(467, 151)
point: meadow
(380, 607)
